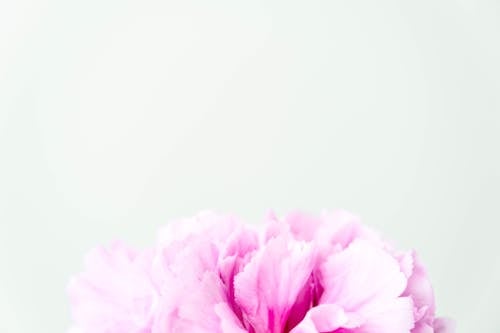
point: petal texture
(213, 274)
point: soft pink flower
(115, 293)
(299, 274)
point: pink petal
(420, 290)
(422, 328)
(229, 323)
(323, 318)
(390, 316)
(115, 292)
(360, 274)
(269, 284)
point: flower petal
(360, 274)
(115, 292)
(269, 284)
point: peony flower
(298, 274)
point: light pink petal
(360, 274)
(269, 284)
(195, 311)
(229, 323)
(420, 290)
(405, 263)
(323, 318)
(341, 228)
(422, 328)
(196, 275)
(390, 316)
(303, 226)
(199, 303)
(115, 292)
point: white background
(117, 116)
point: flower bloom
(298, 274)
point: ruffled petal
(324, 318)
(115, 292)
(360, 274)
(300, 274)
(269, 284)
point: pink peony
(213, 274)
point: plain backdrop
(117, 116)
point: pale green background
(116, 116)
